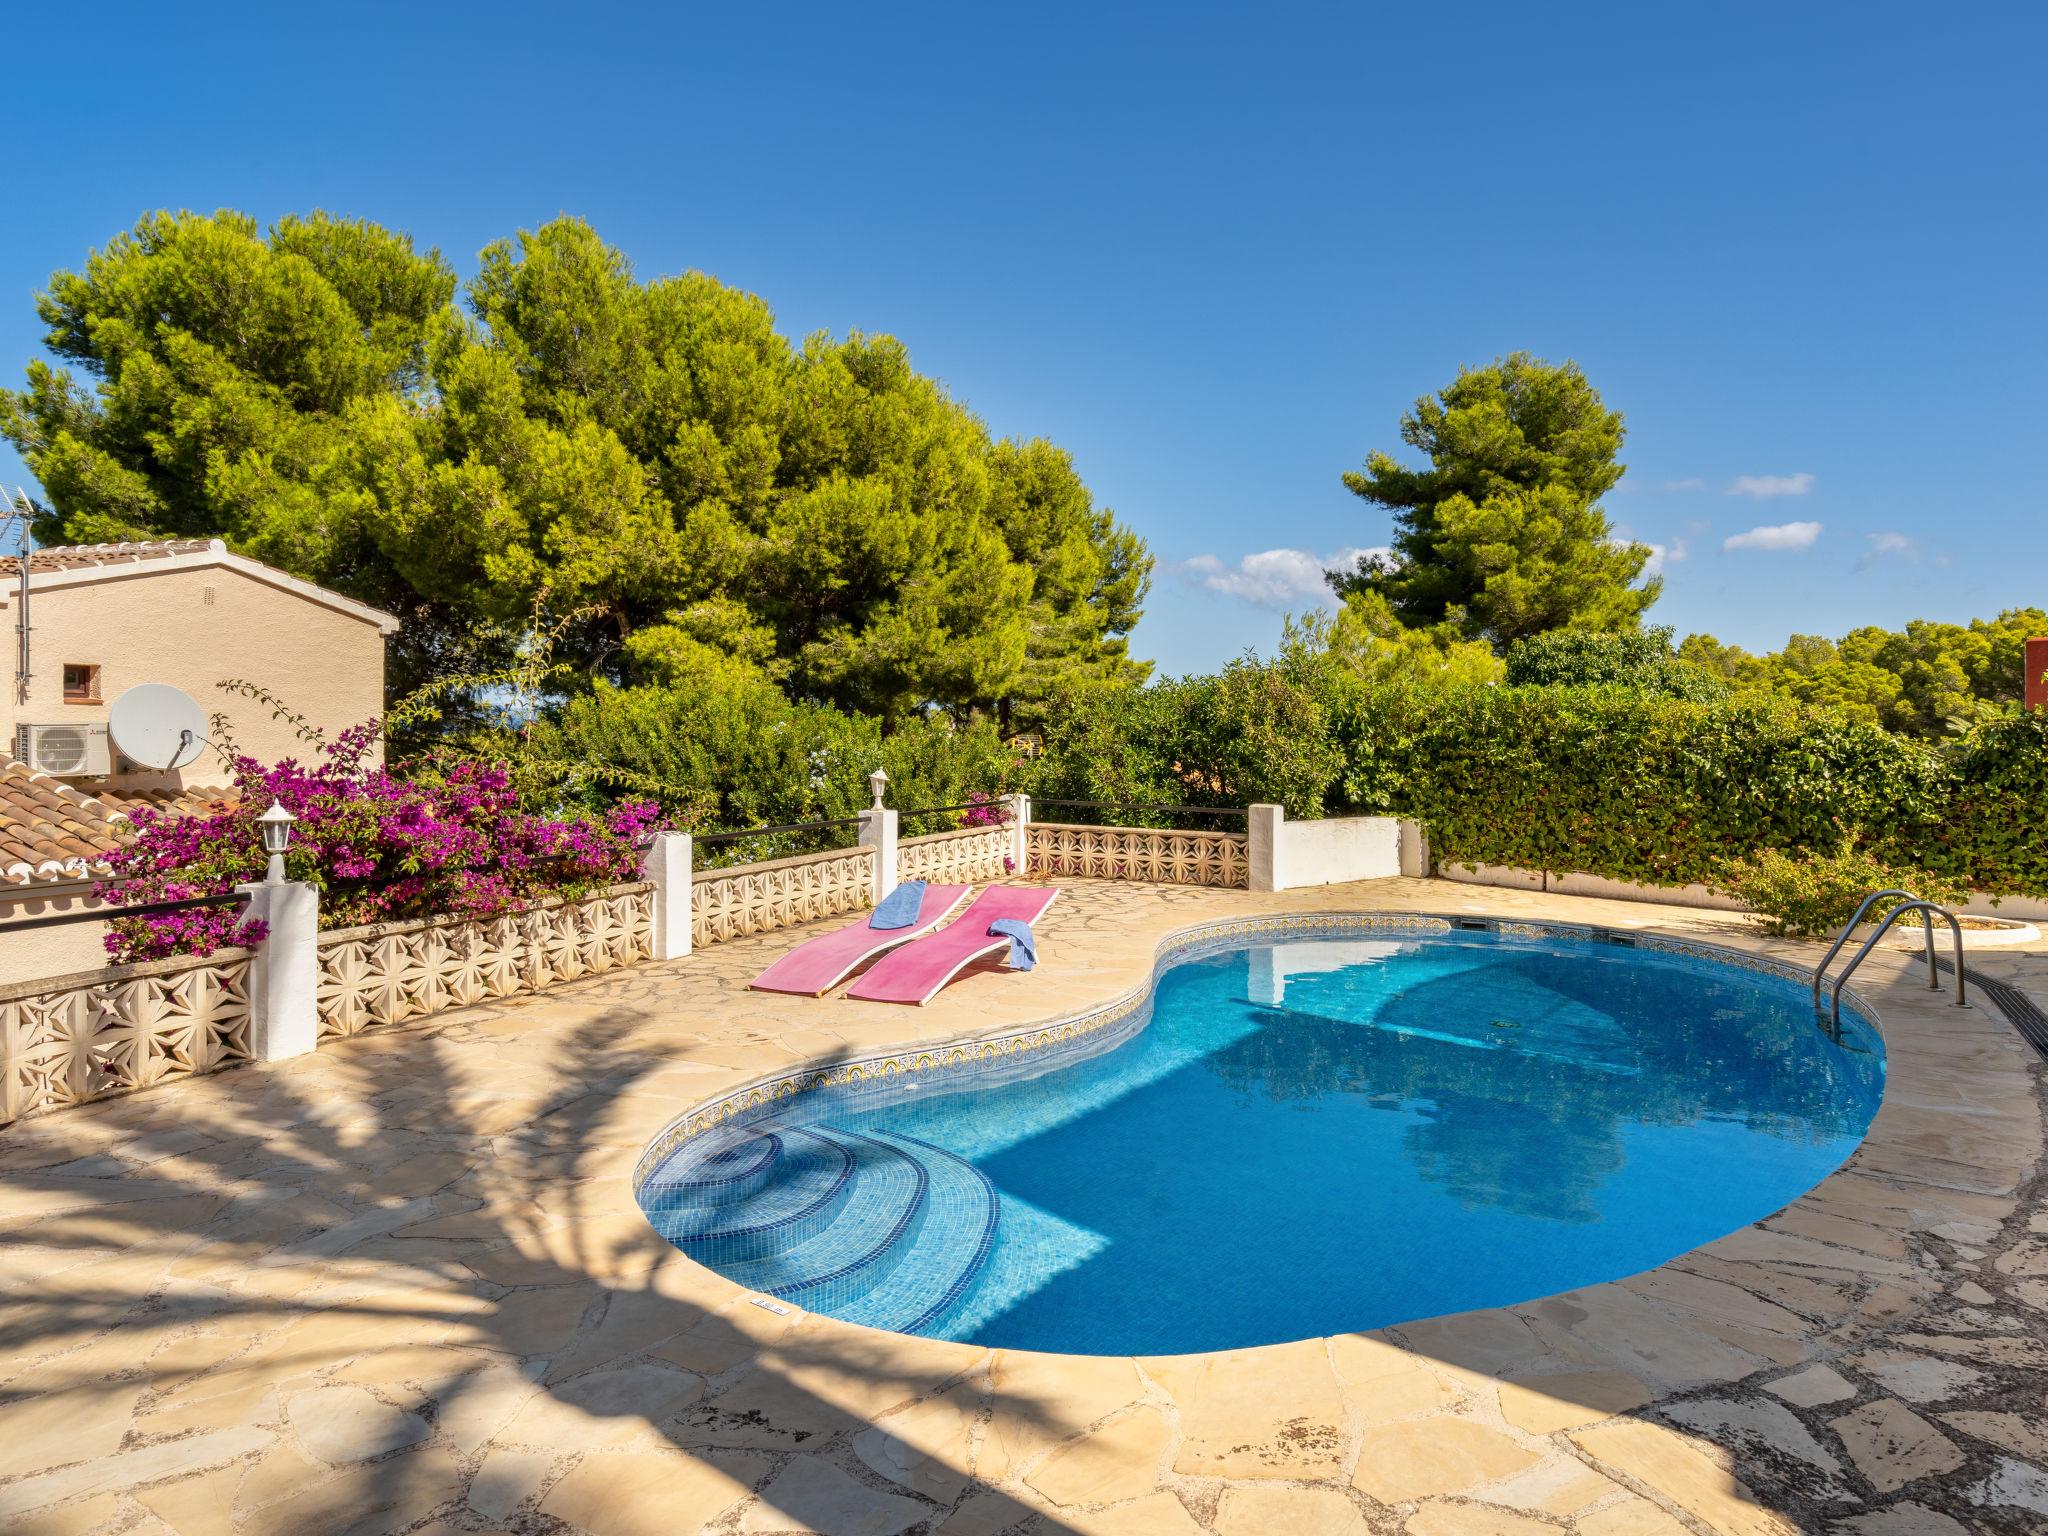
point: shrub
(378, 845)
(1646, 662)
(1990, 830)
(1811, 895)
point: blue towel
(900, 907)
(1023, 947)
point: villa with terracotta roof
(91, 622)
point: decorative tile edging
(1082, 1034)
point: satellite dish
(157, 726)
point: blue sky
(1216, 251)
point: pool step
(932, 1277)
(808, 1180)
(865, 1241)
(869, 1226)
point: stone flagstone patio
(402, 1285)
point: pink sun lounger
(916, 972)
(818, 965)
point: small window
(81, 683)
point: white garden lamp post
(878, 781)
(276, 826)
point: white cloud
(1664, 555)
(1777, 537)
(1882, 544)
(1764, 487)
(1690, 484)
(1276, 578)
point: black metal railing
(109, 914)
(998, 805)
(1142, 808)
(720, 850)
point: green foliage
(702, 494)
(1991, 831)
(1928, 680)
(753, 758)
(1613, 782)
(1606, 780)
(1644, 661)
(1259, 732)
(1503, 534)
(1365, 639)
(1811, 895)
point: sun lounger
(916, 972)
(818, 965)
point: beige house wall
(193, 627)
(45, 952)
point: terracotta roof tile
(72, 557)
(50, 832)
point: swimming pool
(1304, 1137)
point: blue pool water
(1313, 1137)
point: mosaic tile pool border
(1039, 1047)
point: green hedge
(1608, 781)
(1633, 787)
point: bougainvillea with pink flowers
(446, 839)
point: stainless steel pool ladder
(1928, 911)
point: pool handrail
(1928, 911)
(1820, 971)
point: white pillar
(878, 831)
(1414, 849)
(284, 973)
(1020, 835)
(667, 865)
(1263, 822)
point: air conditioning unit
(64, 751)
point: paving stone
(926, 1446)
(1631, 1517)
(1259, 1413)
(1755, 1431)
(1257, 1511)
(984, 1514)
(344, 1424)
(507, 1479)
(1473, 1520)
(1894, 1446)
(1038, 1401)
(1669, 1462)
(1899, 1520)
(1543, 1405)
(1118, 1461)
(641, 1493)
(608, 1408)
(2023, 1434)
(2012, 1483)
(127, 1469)
(1561, 1485)
(1815, 1385)
(1398, 1463)
(1916, 1378)
(813, 1495)
(74, 1519)
(1158, 1514)
(401, 1487)
(59, 1428)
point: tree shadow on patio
(406, 1276)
